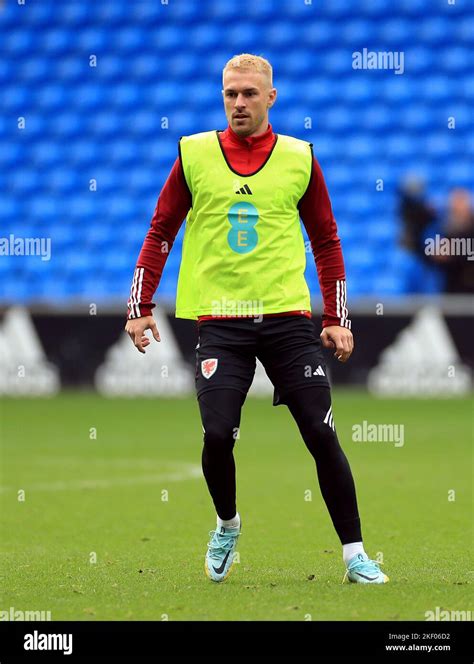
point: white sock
(229, 523)
(351, 550)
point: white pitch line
(192, 472)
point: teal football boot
(220, 553)
(361, 569)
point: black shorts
(287, 346)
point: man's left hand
(340, 338)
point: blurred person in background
(416, 213)
(419, 221)
(459, 225)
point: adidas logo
(244, 190)
(319, 371)
(121, 375)
(329, 420)
(25, 368)
(422, 360)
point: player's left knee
(320, 434)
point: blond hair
(252, 63)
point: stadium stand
(158, 77)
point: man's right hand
(135, 329)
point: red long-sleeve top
(245, 155)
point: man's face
(247, 97)
(460, 208)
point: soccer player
(242, 278)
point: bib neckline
(243, 175)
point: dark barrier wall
(77, 344)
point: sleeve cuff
(145, 310)
(341, 322)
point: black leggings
(220, 414)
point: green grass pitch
(115, 517)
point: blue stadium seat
(74, 13)
(433, 30)
(110, 66)
(395, 31)
(225, 12)
(463, 29)
(316, 34)
(412, 7)
(184, 12)
(357, 32)
(335, 9)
